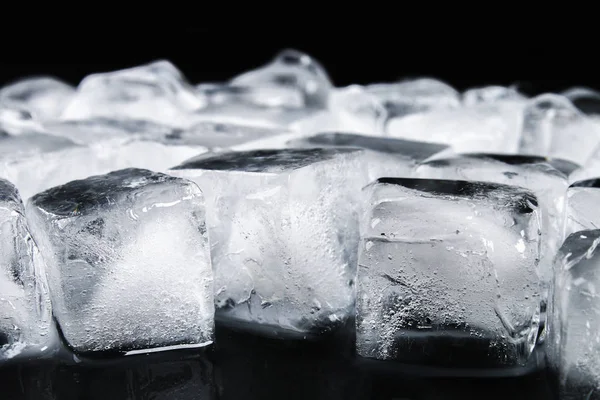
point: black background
(535, 61)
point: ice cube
(221, 135)
(576, 337)
(25, 310)
(36, 172)
(155, 92)
(414, 96)
(44, 97)
(448, 274)
(386, 156)
(267, 97)
(16, 120)
(585, 99)
(491, 95)
(351, 109)
(284, 234)
(582, 206)
(128, 263)
(467, 129)
(15, 148)
(94, 130)
(294, 71)
(552, 126)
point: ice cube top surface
(411, 148)
(521, 199)
(566, 167)
(264, 161)
(84, 196)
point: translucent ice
(43, 97)
(447, 273)
(585, 99)
(475, 128)
(128, 263)
(15, 120)
(155, 92)
(414, 96)
(582, 210)
(38, 172)
(283, 229)
(577, 316)
(296, 72)
(553, 126)
(386, 156)
(490, 95)
(25, 311)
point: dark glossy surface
(247, 367)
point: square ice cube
(582, 206)
(386, 156)
(447, 273)
(128, 263)
(576, 332)
(283, 227)
(25, 311)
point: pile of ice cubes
(456, 229)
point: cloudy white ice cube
(43, 97)
(283, 231)
(25, 310)
(444, 261)
(582, 211)
(128, 263)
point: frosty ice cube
(25, 311)
(576, 335)
(585, 99)
(156, 92)
(295, 72)
(15, 120)
(554, 127)
(582, 206)
(128, 263)
(414, 96)
(43, 97)
(386, 156)
(448, 274)
(284, 232)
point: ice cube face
(448, 263)
(582, 206)
(154, 92)
(547, 178)
(283, 226)
(577, 315)
(25, 310)
(114, 286)
(386, 156)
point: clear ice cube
(414, 96)
(25, 310)
(44, 97)
(155, 92)
(554, 127)
(448, 274)
(283, 227)
(576, 336)
(491, 95)
(386, 156)
(582, 211)
(295, 72)
(128, 263)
